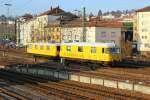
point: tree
(100, 13)
(91, 14)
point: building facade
(142, 30)
(42, 28)
(95, 32)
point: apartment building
(43, 28)
(142, 29)
(95, 31)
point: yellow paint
(47, 50)
(99, 55)
(87, 54)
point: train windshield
(112, 50)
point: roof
(52, 11)
(97, 23)
(146, 9)
(45, 43)
(109, 44)
(90, 44)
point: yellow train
(99, 52)
(44, 49)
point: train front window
(112, 50)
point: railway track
(107, 72)
(30, 85)
(69, 90)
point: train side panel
(88, 53)
(45, 50)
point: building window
(144, 37)
(57, 29)
(144, 15)
(80, 49)
(93, 50)
(103, 34)
(147, 45)
(68, 48)
(144, 23)
(113, 34)
(113, 41)
(144, 30)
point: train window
(41, 47)
(103, 50)
(48, 47)
(93, 49)
(68, 48)
(112, 50)
(80, 49)
(36, 47)
(58, 48)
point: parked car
(11, 44)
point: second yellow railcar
(101, 52)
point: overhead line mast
(84, 24)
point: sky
(20, 7)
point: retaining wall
(85, 79)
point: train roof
(91, 44)
(44, 43)
(109, 44)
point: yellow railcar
(44, 49)
(101, 52)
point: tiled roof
(99, 23)
(146, 9)
(53, 11)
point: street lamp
(8, 5)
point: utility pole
(84, 24)
(7, 27)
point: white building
(97, 31)
(142, 29)
(28, 30)
(109, 16)
(25, 32)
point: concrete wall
(85, 79)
